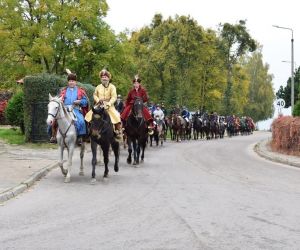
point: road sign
(280, 103)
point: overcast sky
(260, 16)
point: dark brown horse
(137, 132)
(102, 133)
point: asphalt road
(192, 195)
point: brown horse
(177, 127)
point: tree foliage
(260, 95)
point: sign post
(280, 104)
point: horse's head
(54, 109)
(137, 108)
(99, 118)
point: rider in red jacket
(137, 91)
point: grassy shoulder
(12, 135)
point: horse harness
(64, 135)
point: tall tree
(261, 93)
(236, 42)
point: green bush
(14, 112)
(36, 98)
(296, 111)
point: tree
(285, 92)
(47, 35)
(261, 94)
(236, 42)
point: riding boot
(54, 127)
(118, 131)
(79, 140)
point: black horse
(102, 133)
(197, 127)
(137, 132)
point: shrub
(14, 112)
(296, 110)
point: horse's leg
(138, 152)
(116, 148)
(129, 160)
(61, 158)
(105, 149)
(134, 145)
(82, 149)
(94, 160)
(71, 146)
(143, 151)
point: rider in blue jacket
(185, 114)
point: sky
(259, 14)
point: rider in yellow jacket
(106, 92)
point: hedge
(36, 98)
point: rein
(64, 135)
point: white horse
(66, 134)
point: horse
(66, 134)
(177, 127)
(206, 127)
(168, 123)
(159, 132)
(214, 128)
(137, 132)
(102, 133)
(197, 126)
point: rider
(163, 109)
(185, 114)
(159, 113)
(137, 91)
(106, 93)
(151, 108)
(119, 104)
(75, 98)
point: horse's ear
(60, 99)
(50, 97)
(93, 109)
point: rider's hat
(119, 96)
(104, 72)
(72, 77)
(136, 79)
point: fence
(39, 126)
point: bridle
(64, 135)
(54, 116)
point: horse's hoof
(105, 178)
(93, 181)
(67, 180)
(134, 163)
(137, 166)
(128, 161)
(81, 173)
(116, 168)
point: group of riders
(105, 94)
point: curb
(20, 188)
(261, 148)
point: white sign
(280, 103)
